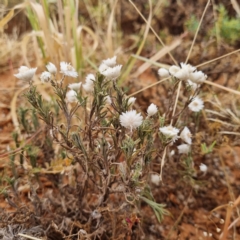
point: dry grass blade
(151, 85)
(236, 7)
(29, 237)
(148, 26)
(156, 35)
(109, 30)
(92, 34)
(195, 36)
(157, 56)
(42, 19)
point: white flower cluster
(109, 69)
(192, 77)
(171, 133)
(25, 73)
(186, 72)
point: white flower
(188, 67)
(174, 69)
(110, 62)
(155, 179)
(88, 86)
(196, 105)
(131, 119)
(75, 86)
(131, 101)
(197, 77)
(103, 67)
(90, 78)
(184, 148)
(108, 100)
(170, 132)
(25, 73)
(193, 85)
(45, 76)
(182, 74)
(163, 72)
(152, 109)
(203, 167)
(51, 68)
(112, 72)
(71, 96)
(68, 70)
(186, 135)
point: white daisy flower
(152, 109)
(90, 77)
(112, 72)
(163, 72)
(45, 76)
(131, 119)
(170, 132)
(184, 148)
(71, 96)
(103, 67)
(25, 73)
(51, 68)
(187, 67)
(193, 85)
(197, 77)
(186, 135)
(182, 74)
(88, 86)
(196, 104)
(174, 69)
(68, 70)
(108, 100)
(75, 86)
(203, 167)
(131, 101)
(110, 62)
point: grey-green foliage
(226, 27)
(229, 28)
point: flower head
(71, 96)
(152, 109)
(197, 77)
(174, 69)
(184, 148)
(75, 86)
(203, 167)
(88, 86)
(131, 119)
(131, 101)
(103, 67)
(68, 70)
(186, 135)
(187, 67)
(51, 68)
(112, 72)
(196, 104)
(25, 73)
(170, 132)
(110, 62)
(45, 76)
(163, 72)
(193, 85)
